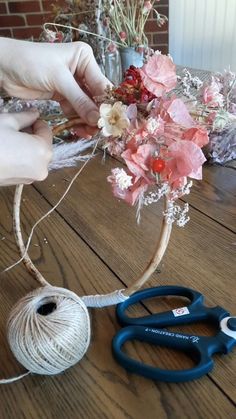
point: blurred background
(202, 33)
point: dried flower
(197, 135)
(155, 126)
(177, 214)
(127, 20)
(113, 119)
(123, 36)
(147, 7)
(132, 90)
(122, 180)
(185, 159)
(159, 74)
(220, 121)
(211, 94)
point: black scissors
(151, 329)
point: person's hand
(66, 72)
(24, 156)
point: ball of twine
(49, 330)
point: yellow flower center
(113, 119)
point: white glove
(66, 72)
(24, 157)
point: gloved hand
(24, 156)
(66, 72)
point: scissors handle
(194, 311)
(198, 348)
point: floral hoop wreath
(143, 123)
(153, 132)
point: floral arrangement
(152, 131)
(214, 105)
(125, 21)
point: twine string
(18, 193)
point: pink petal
(159, 74)
(197, 135)
(179, 113)
(135, 169)
(185, 159)
(196, 174)
(132, 112)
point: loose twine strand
(17, 200)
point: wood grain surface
(92, 244)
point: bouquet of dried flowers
(214, 104)
(125, 21)
(153, 133)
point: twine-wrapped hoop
(49, 329)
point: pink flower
(173, 110)
(111, 47)
(159, 75)
(139, 161)
(123, 36)
(131, 194)
(179, 113)
(173, 133)
(115, 146)
(147, 7)
(211, 95)
(179, 183)
(197, 135)
(186, 159)
(60, 36)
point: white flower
(152, 125)
(175, 213)
(152, 197)
(123, 180)
(113, 119)
(221, 120)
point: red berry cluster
(132, 90)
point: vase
(129, 56)
(113, 67)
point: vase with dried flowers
(114, 29)
(125, 23)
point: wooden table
(92, 244)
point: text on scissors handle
(194, 339)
